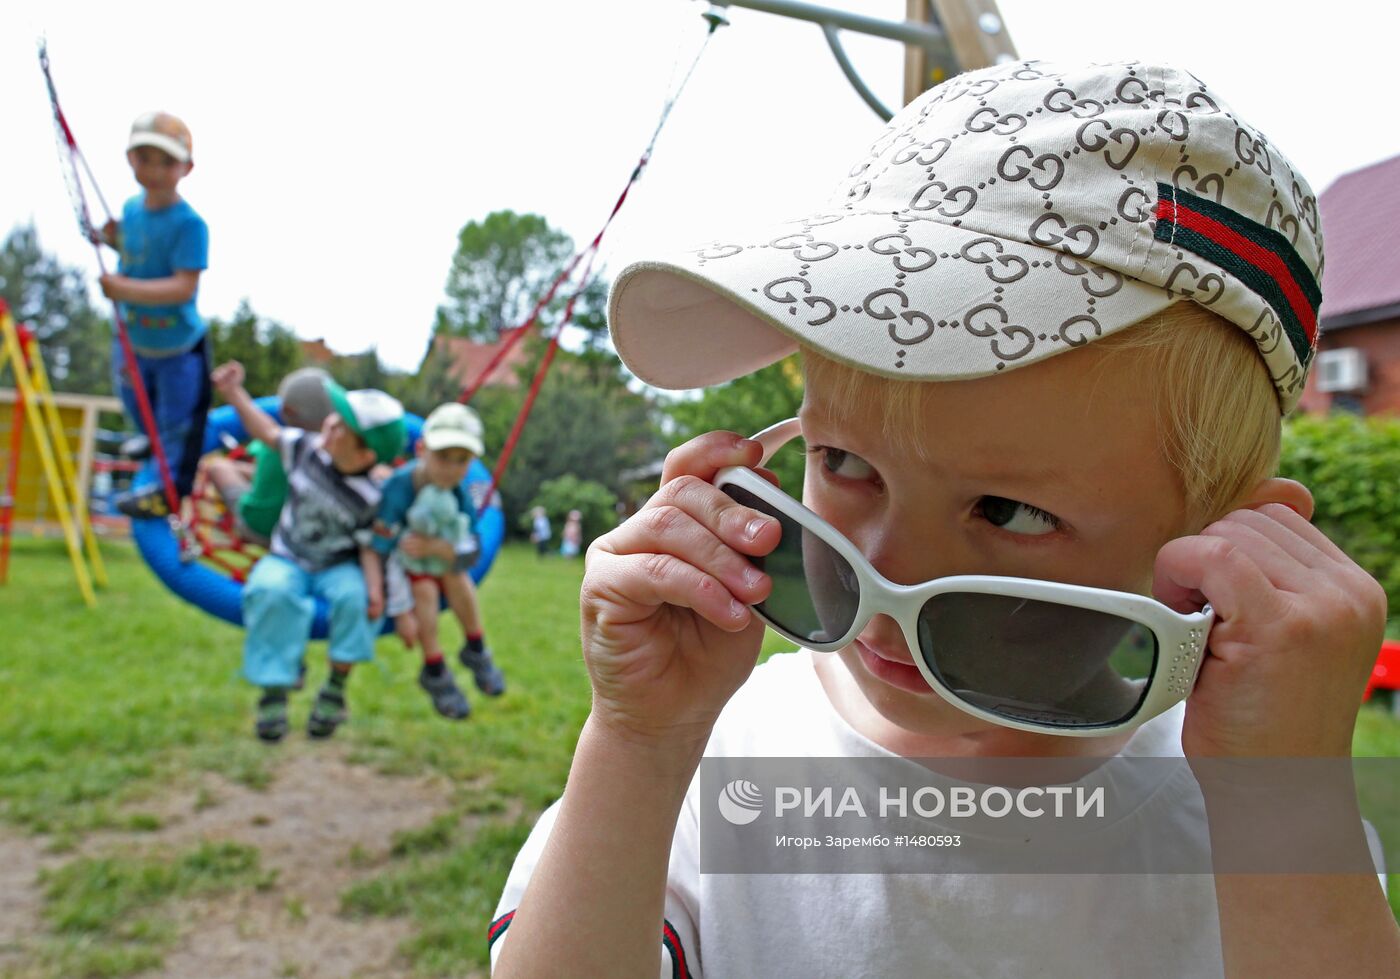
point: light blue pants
(278, 606)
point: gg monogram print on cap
(1003, 217)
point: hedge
(1352, 466)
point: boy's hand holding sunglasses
(667, 633)
(1298, 625)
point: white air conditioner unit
(1341, 370)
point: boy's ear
(1289, 492)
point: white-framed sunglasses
(1023, 653)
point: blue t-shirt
(156, 245)
(397, 496)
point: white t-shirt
(979, 926)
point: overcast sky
(340, 147)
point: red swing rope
(74, 156)
(509, 448)
(591, 250)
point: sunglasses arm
(774, 437)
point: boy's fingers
(644, 582)
(1192, 571)
(1291, 520)
(1277, 563)
(675, 531)
(740, 527)
(707, 454)
(1287, 530)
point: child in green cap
(320, 547)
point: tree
(595, 503)
(74, 338)
(1352, 467)
(503, 265)
(747, 405)
(431, 386)
(585, 423)
(267, 350)
(362, 370)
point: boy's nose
(886, 636)
(908, 552)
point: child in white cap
(427, 522)
(1049, 324)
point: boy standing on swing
(164, 246)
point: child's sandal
(327, 714)
(271, 725)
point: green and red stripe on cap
(1262, 258)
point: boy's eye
(1016, 517)
(841, 463)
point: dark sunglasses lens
(815, 594)
(1037, 661)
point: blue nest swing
(220, 595)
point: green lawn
(103, 710)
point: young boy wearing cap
(427, 519)
(254, 490)
(1049, 324)
(164, 246)
(320, 547)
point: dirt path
(20, 860)
(322, 825)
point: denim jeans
(179, 390)
(278, 606)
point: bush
(1352, 466)
(596, 503)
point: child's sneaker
(488, 676)
(448, 699)
(271, 724)
(144, 504)
(327, 714)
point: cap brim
(161, 142)
(340, 404)
(899, 296)
(437, 441)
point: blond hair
(1217, 410)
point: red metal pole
(7, 519)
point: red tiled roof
(316, 352)
(469, 358)
(1361, 236)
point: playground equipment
(943, 36)
(35, 404)
(72, 158)
(213, 581)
